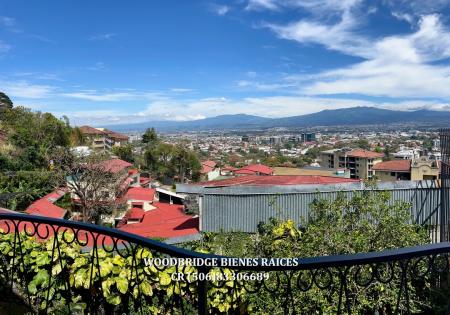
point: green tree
(5, 102)
(124, 152)
(150, 137)
(367, 222)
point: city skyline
(101, 62)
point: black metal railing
(67, 267)
(445, 185)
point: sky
(103, 62)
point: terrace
(70, 267)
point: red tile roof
(133, 171)
(136, 214)
(139, 193)
(116, 136)
(360, 153)
(255, 180)
(208, 166)
(165, 221)
(244, 172)
(395, 165)
(45, 208)
(91, 131)
(115, 165)
(258, 168)
(229, 168)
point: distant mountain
(239, 121)
(364, 116)
(336, 117)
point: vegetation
(124, 152)
(165, 160)
(26, 158)
(369, 223)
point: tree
(367, 222)
(94, 186)
(150, 137)
(5, 102)
(77, 138)
(124, 152)
(169, 161)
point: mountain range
(337, 117)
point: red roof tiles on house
(136, 214)
(360, 153)
(139, 193)
(208, 166)
(255, 169)
(255, 180)
(45, 208)
(395, 165)
(244, 172)
(88, 130)
(115, 165)
(165, 221)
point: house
(393, 170)
(209, 170)
(254, 169)
(140, 198)
(165, 221)
(45, 206)
(102, 138)
(406, 169)
(359, 162)
(96, 138)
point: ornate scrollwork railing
(66, 267)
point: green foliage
(20, 188)
(150, 138)
(35, 129)
(49, 266)
(369, 221)
(124, 152)
(5, 102)
(172, 161)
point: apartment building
(102, 138)
(359, 162)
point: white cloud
(261, 86)
(105, 36)
(106, 97)
(272, 106)
(403, 16)
(220, 9)
(25, 90)
(262, 4)
(394, 66)
(181, 90)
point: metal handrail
(305, 263)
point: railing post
(202, 291)
(445, 183)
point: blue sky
(107, 62)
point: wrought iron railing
(67, 267)
(445, 185)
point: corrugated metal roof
(230, 209)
